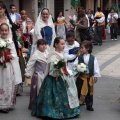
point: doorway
(83, 3)
(20, 5)
(58, 6)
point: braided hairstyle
(14, 27)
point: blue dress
(47, 33)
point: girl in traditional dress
(86, 80)
(58, 94)
(44, 29)
(10, 74)
(61, 28)
(38, 62)
(4, 17)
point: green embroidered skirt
(52, 100)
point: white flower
(81, 67)
(3, 44)
(56, 62)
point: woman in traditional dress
(58, 94)
(10, 74)
(61, 28)
(36, 69)
(44, 29)
(25, 41)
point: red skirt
(104, 34)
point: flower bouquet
(60, 69)
(58, 65)
(20, 41)
(3, 47)
(82, 68)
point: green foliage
(75, 3)
(20, 40)
(60, 64)
(115, 6)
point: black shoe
(89, 108)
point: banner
(75, 3)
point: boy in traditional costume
(88, 77)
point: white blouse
(55, 57)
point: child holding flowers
(10, 74)
(58, 94)
(88, 69)
(37, 69)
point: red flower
(65, 70)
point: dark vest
(90, 63)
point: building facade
(104, 4)
(33, 7)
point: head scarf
(40, 24)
